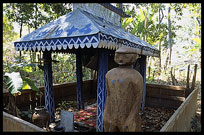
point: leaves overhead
(35, 14)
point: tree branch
(198, 21)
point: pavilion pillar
(49, 97)
(79, 75)
(143, 73)
(101, 88)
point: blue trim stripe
(82, 41)
(58, 43)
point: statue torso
(122, 85)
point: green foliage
(9, 35)
(86, 73)
(127, 22)
(32, 85)
(8, 31)
(195, 10)
(14, 82)
(55, 10)
(65, 105)
(185, 37)
(25, 85)
(153, 31)
(65, 70)
(34, 15)
(19, 12)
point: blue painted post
(106, 53)
(101, 89)
(143, 73)
(79, 74)
(49, 97)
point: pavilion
(90, 29)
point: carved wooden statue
(124, 94)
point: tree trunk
(160, 66)
(21, 29)
(166, 62)
(160, 19)
(169, 42)
(30, 51)
(28, 30)
(145, 25)
(36, 20)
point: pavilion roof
(82, 29)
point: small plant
(66, 105)
(15, 83)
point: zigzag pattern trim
(99, 40)
(58, 44)
(110, 42)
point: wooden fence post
(187, 81)
(149, 70)
(194, 77)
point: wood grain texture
(180, 121)
(124, 97)
(124, 94)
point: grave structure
(90, 29)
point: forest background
(173, 28)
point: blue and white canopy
(82, 29)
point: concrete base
(15, 124)
(67, 121)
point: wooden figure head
(125, 56)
